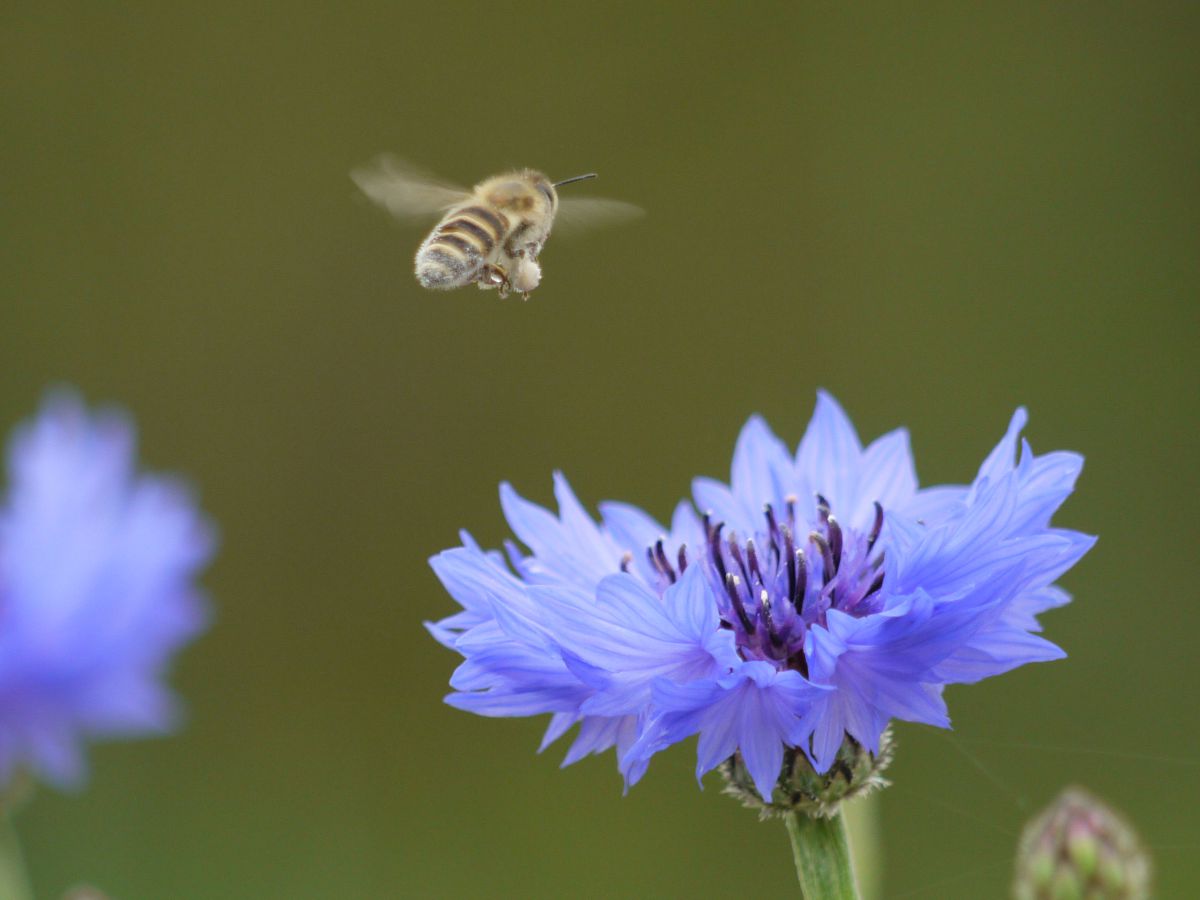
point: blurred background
(937, 214)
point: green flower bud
(854, 773)
(1079, 847)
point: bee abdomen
(447, 261)
(481, 237)
(456, 250)
(491, 221)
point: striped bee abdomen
(456, 250)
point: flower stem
(821, 851)
(866, 844)
(14, 883)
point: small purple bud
(1080, 847)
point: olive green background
(938, 213)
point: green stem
(14, 883)
(822, 854)
(866, 844)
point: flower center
(773, 586)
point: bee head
(521, 192)
(551, 190)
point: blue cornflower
(815, 598)
(96, 590)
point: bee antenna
(576, 178)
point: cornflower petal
(886, 475)
(97, 564)
(757, 709)
(470, 577)
(828, 455)
(568, 547)
(636, 636)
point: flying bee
(490, 235)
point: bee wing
(404, 190)
(577, 214)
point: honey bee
(490, 235)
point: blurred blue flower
(818, 595)
(96, 590)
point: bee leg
(493, 276)
(519, 259)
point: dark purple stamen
(826, 557)
(626, 561)
(731, 588)
(772, 528)
(752, 556)
(822, 509)
(875, 528)
(660, 554)
(791, 567)
(714, 546)
(764, 603)
(835, 541)
(736, 552)
(801, 581)
(682, 558)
